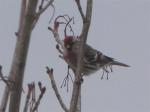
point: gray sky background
(120, 29)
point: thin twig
(42, 90)
(56, 36)
(2, 77)
(45, 7)
(41, 5)
(67, 22)
(59, 50)
(52, 13)
(80, 9)
(50, 74)
(41, 11)
(33, 97)
(6, 91)
(65, 30)
(30, 87)
(4, 99)
(59, 41)
(66, 79)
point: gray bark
(20, 55)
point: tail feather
(119, 64)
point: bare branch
(30, 87)
(41, 5)
(68, 23)
(68, 77)
(33, 97)
(52, 14)
(4, 100)
(20, 55)
(42, 9)
(45, 7)
(85, 29)
(50, 74)
(60, 42)
(80, 9)
(56, 35)
(77, 84)
(59, 50)
(6, 92)
(22, 14)
(3, 78)
(42, 89)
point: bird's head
(68, 42)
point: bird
(93, 59)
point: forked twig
(65, 30)
(5, 79)
(50, 74)
(42, 90)
(65, 82)
(31, 98)
(41, 10)
(30, 88)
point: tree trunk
(20, 55)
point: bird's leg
(105, 70)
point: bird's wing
(90, 54)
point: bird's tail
(119, 64)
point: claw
(105, 70)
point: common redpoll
(93, 59)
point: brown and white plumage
(93, 59)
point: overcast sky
(120, 29)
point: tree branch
(20, 55)
(22, 14)
(42, 90)
(6, 93)
(45, 7)
(80, 9)
(59, 41)
(77, 84)
(30, 88)
(50, 74)
(41, 10)
(85, 29)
